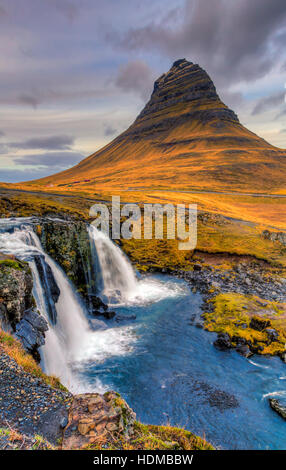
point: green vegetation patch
(232, 313)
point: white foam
(120, 284)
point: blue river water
(170, 373)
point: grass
(13, 439)
(149, 437)
(232, 314)
(15, 350)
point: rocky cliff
(18, 313)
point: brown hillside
(184, 139)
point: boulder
(278, 407)
(244, 350)
(223, 342)
(31, 332)
(272, 334)
(92, 417)
(259, 324)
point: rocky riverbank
(245, 303)
(37, 415)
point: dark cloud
(56, 160)
(29, 100)
(109, 130)
(232, 39)
(69, 9)
(268, 102)
(136, 76)
(55, 142)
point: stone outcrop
(278, 407)
(67, 242)
(17, 314)
(93, 416)
(16, 284)
(31, 331)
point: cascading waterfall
(66, 336)
(120, 285)
(70, 343)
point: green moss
(10, 263)
(232, 314)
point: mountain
(185, 138)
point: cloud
(280, 115)
(268, 102)
(283, 131)
(15, 175)
(233, 40)
(29, 100)
(2, 133)
(55, 142)
(66, 8)
(55, 160)
(109, 130)
(136, 76)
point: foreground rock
(276, 406)
(92, 416)
(31, 332)
(17, 305)
(16, 284)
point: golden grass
(149, 437)
(15, 350)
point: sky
(75, 73)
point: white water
(120, 284)
(70, 344)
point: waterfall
(70, 343)
(117, 276)
(118, 283)
(65, 336)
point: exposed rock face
(184, 138)
(93, 416)
(16, 284)
(17, 303)
(67, 242)
(184, 83)
(31, 332)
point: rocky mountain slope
(185, 138)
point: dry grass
(15, 350)
(149, 437)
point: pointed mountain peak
(187, 92)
